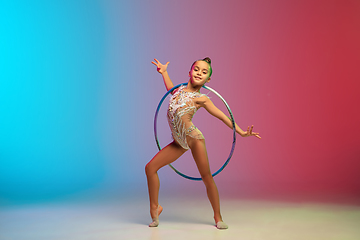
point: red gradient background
(290, 68)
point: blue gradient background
(78, 95)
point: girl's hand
(249, 133)
(160, 67)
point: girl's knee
(148, 168)
(207, 178)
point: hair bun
(207, 59)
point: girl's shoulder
(202, 95)
(178, 90)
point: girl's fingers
(154, 63)
(249, 132)
(156, 60)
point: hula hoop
(232, 121)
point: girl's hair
(208, 60)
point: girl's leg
(166, 156)
(198, 150)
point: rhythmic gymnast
(182, 107)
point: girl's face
(199, 73)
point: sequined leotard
(180, 113)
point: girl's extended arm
(213, 110)
(162, 70)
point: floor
(181, 219)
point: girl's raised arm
(162, 69)
(213, 110)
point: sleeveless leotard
(180, 113)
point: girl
(183, 105)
